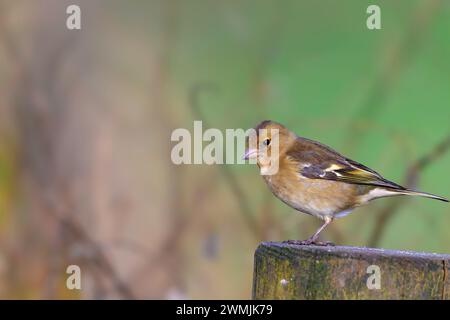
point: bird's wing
(317, 161)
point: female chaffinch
(315, 179)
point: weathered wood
(283, 271)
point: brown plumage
(315, 179)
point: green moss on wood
(312, 272)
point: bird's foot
(308, 242)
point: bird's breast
(317, 197)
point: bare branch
(416, 32)
(245, 208)
(412, 176)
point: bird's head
(267, 142)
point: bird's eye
(266, 142)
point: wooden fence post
(284, 271)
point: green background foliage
(89, 119)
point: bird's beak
(250, 154)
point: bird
(315, 179)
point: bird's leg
(313, 238)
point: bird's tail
(420, 194)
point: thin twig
(416, 31)
(47, 131)
(97, 256)
(245, 208)
(412, 176)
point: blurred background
(86, 117)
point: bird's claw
(309, 242)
